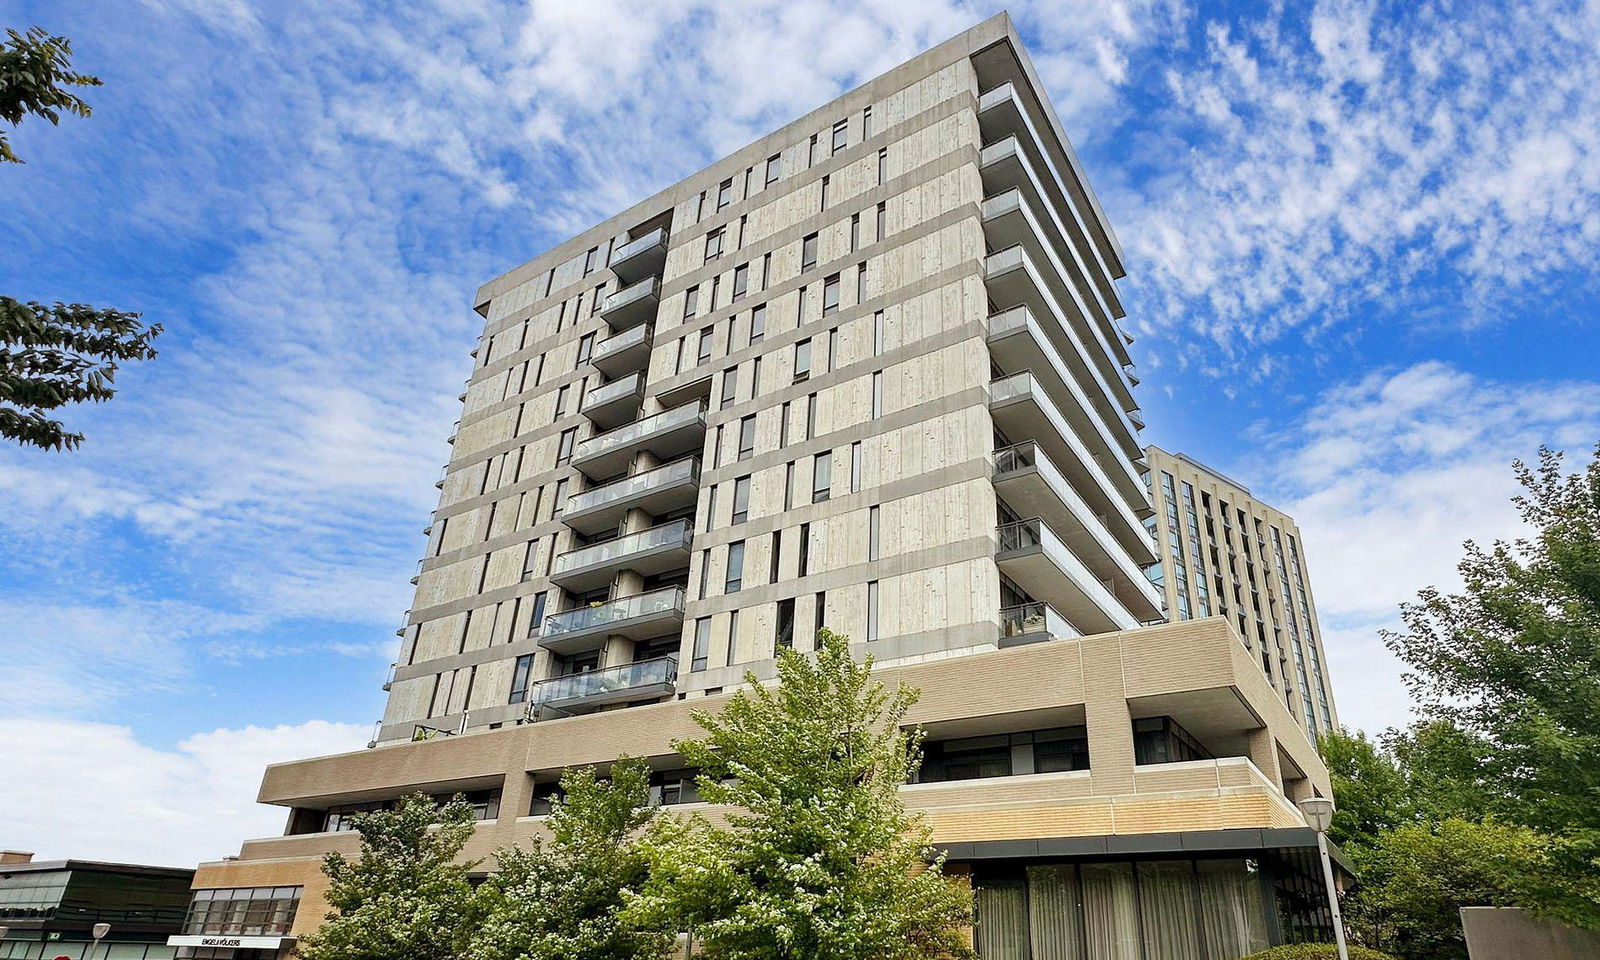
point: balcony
(1022, 410)
(1012, 279)
(1001, 114)
(632, 305)
(1008, 221)
(650, 552)
(1017, 341)
(626, 352)
(657, 491)
(1033, 623)
(1004, 166)
(1030, 553)
(638, 617)
(666, 435)
(641, 257)
(630, 681)
(615, 403)
(1032, 486)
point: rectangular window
(785, 633)
(866, 121)
(704, 353)
(883, 165)
(774, 165)
(821, 476)
(730, 385)
(527, 559)
(691, 301)
(758, 322)
(741, 500)
(536, 622)
(872, 610)
(594, 308)
(788, 485)
(861, 282)
(877, 333)
(855, 466)
(883, 221)
(811, 152)
(804, 568)
(591, 260)
(711, 507)
(766, 270)
(826, 181)
(747, 437)
(705, 572)
(559, 506)
(877, 394)
(777, 556)
(735, 581)
(840, 131)
(819, 619)
(873, 533)
(725, 193)
(811, 416)
(585, 347)
(741, 280)
(714, 244)
(802, 360)
(855, 232)
(833, 349)
(808, 252)
(568, 438)
(830, 295)
(520, 676)
(702, 644)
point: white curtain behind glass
(1053, 925)
(1230, 909)
(1112, 918)
(1166, 897)
(1001, 930)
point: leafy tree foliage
(405, 897)
(563, 898)
(1508, 671)
(66, 352)
(818, 858)
(1369, 788)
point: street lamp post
(99, 930)
(1318, 812)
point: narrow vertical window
(741, 500)
(819, 620)
(735, 579)
(883, 165)
(855, 232)
(730, 385)
(766, 270)
(826, 180)
(536, 623)
(568, 438)
(883, 221)
(808, 252)
(783, 425)
(855, 467)
(704, 353)
(811, 416)
(833, 349)
(702, 644)
(758, 322)
(784, 638)
(774, 168)
(811, 152)
(714, 244)
(861, 282)
(804, 568)
(802, 360)
(741, 280)
(840, 133)
(830, 295)
(520, 676)
(788, 485)
(866, 121)
(777, 556)
(873, 533)
(822, 476)
(877, 333)
(691, 301)
(725, 193)
(872, 610)
(585, 347)
(747, 437)
(877, 394)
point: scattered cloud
(1387, 476)
(94, 790)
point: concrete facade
(1226, 553)
(865, 373)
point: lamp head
(1318, 812)
(101, 929)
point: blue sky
(1361, 245)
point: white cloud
(1387, 476)
(1317, 175)
(93, 790)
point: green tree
(563, 898)
(819, 857)
(1370, 792)
(406, 897)
(1511, 665)
(63, 353)
(1416, 878)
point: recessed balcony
(657, 491)
(651, 552)
(627, 352)
(641, 257)
(1031, 485)
(1031, 554)
(615, 403)
(1001, 114)
(1017, 341)
(638, 617)
(1033, 623)
(1022, 410)
(1008, 221)
(620, 684)
(666, 435)
(1012, 279)
(632, 305)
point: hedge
(1316, 951)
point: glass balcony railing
(1018, 456)
(1035, 620)
(687, 469)
(622, 342)
(615, 390)
(631, 434)
(676, 533)
(608, 682)
(1021, 534)
(630, 294)
(638, 245)
(596, 617)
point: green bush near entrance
(1316, 951)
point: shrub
(1316, 951)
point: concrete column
(1263, 747)
(1109, 722)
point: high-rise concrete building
(1224, 553)
(865, 373)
